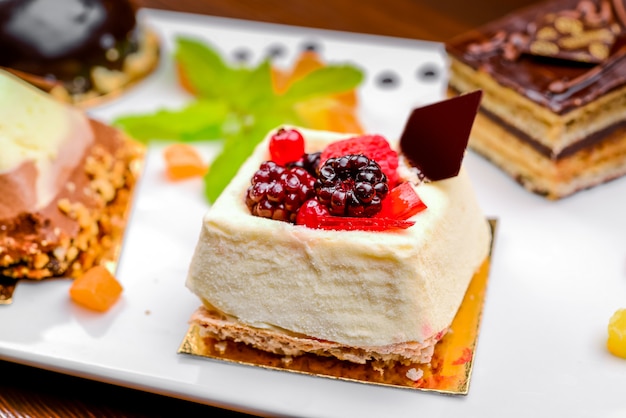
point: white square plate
(558, 273)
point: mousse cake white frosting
(358, 289)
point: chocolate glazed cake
(76, 49)
(553, 114)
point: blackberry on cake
(351, 185)
(77, 50)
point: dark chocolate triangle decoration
(435, 136)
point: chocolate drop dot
(428, 72)
(276, 51)
(311, 46)
(388, 79)
(242, 55)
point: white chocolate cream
(352, 287)
(36, 129)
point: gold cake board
(449, 371)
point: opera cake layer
(553, 115)
(356, 295)
(64, 181)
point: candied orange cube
(184, 81)
(182, 161)
(97, 289)
(329, 114)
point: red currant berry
(286, 145)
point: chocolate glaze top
(63, 39)
(561, 85)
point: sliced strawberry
(374, 147)
(313, 214)
(401, 203)
(345, 223)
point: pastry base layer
(50, 251)
(214, 324)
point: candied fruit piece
(330, 114)
(402, 202)
(616, 342)
(182, 161)
(97, 289)
(184, 80)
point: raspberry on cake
(76, 50)
(65, 184)
(554, 80)
(351, 276)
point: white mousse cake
(65, 181)
(359, 294)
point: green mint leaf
(202, 66)
(200, 120)
(324, 81)
(256, 89)
(209, 75)
(224, 167)
(240, 145)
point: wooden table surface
(30, 392)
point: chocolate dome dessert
(77, 49)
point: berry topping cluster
(350, 185)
